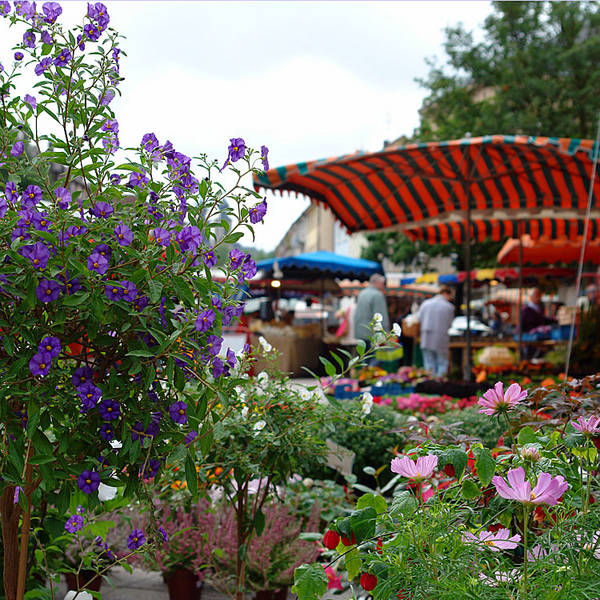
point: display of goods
(495, 356)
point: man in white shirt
(435, 317)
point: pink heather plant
(547, 491)
(493, 541)
(422, 469)
(495, 400)
(587, 426)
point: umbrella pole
(520, 294)
(467, 373)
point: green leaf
(376, 501)
(403, 504)
(142, 353)
(360, 347)
(329, 368)
(485, 466)
(310, 582)
(469, 489)
(353, 563)
(259, 522)
(182, 289)
(155, 288)
(362, 522)
(527, 436)
(457, 458)
(76, 299)
(191, 476)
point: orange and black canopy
(504, 178)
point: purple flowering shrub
(107, 362)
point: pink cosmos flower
(494, 541)
(587, 426)
(422, 469)
(547, 491)
(496, 400)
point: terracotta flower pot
(80, 581)
(183, 584)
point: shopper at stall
(369, 302)
(435, 318)
(532, 314)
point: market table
(296, 352)
(509, 343)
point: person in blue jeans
(435, 318)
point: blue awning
(321, 264)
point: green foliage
(476, 425)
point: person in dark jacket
(532, 314)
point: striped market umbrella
(501, 177)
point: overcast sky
(307, 79)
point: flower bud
(368, 581)
(331, 539)
(530, 453)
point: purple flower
(111, 125)
(31, 196)
(89, 394)
(40, 221)
(47, 290)
(213, 344)
(51, 345)
(136, 539)
(109, 409)
(115, 179)
(97, 262)
(107, 432)
(149, 142)
(43, 65)
(4, 8)
(70, 285)
(81, 376)
(137, 179)
(422, 469)
(210, 259)
(129, 290)
(20, 233)
(235, 151)
(63, 57)
(587, 426)
(10, 191)
(151, 468)
(3, 207)
(40, 363)
(74, 523)
(81, 42)
(236, 258)
(25, 8)
(102, 210)
(88, 481)
(190, 437)
(258, 212)
(17, 149)
(103, 250)
(218, 368)
(52, 10)
(264, 152)
(248, 268)
(29, 39)
(496, 400)
(123, 234)
(177, 412)
(141, 302)
(113, 291)
(154, 212)
(161, 236)
(37, 253)
(31, 101)
(98, 13)
(189, 238)
(231, 358)
(106, 98)
(205, 320)
(47, 38)
(19, 56)
(164, 534)
(63, 195)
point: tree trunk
(9, 517)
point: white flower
(264, 344)
(377, 317)
(320, 397)
(305, 394)
(367, 403)
(106, 492)
(245, 411)
(116, 444)
(72, 594)
(262, 378)
(259, 425)
(396, 330)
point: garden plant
(111, 353)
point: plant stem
(525, 525)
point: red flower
(449, 470)
(348, 542)
(331, 539)
(368, 581)
(496, 527)
(379, 546)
